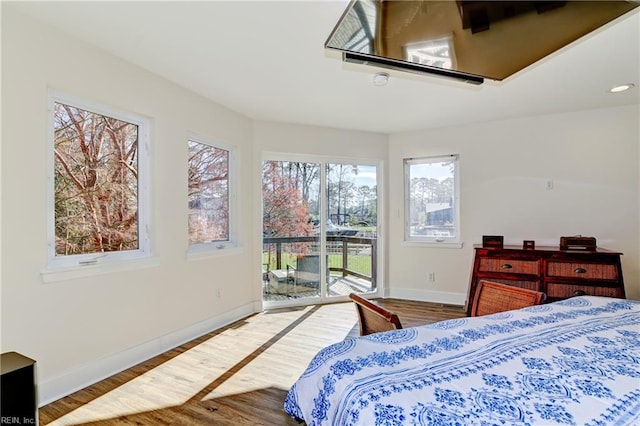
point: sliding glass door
(290, 231)
(319, 231)
(351, 228)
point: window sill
(63, 274)
(432, 244)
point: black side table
(18, 396)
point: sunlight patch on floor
(291, 353)
(185, 376)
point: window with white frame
(210, 195)
(98, 196)
(432, 200)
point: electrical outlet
(431, 276)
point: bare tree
(208, 186)
(96, 182)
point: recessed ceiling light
(621, 88)
(380, 79)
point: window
(98, 193)
(210, 173)
(432, 200)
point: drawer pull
(579, 293)
(506, 266)
(580, 271)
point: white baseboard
(85, 375)
(427, 296)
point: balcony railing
(346, 255)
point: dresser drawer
(563, 291)
(509, 266)
(528, 284)
(589, 271)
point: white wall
(81, 329)
(320, 141)
(592, 157)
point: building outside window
(432, 200)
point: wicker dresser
(559, 273)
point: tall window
(98, 184)
(209, 195)
(432, 199)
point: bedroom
(592, 155)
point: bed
(572, 362)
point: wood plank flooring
(238, 375)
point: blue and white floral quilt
(573, 362)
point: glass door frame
(323, 161)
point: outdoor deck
(292, 266)
(338, 286)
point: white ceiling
(266, 59)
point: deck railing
(346, 255)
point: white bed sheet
(573, 362)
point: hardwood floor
(238, 375)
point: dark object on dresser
(492, 297)
(577, 243)
(496, 241)
(558, 273)
(374, 318)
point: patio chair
(492, 297)
(307, 271)
(374, 318)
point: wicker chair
(374, 318)
(492, 297)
